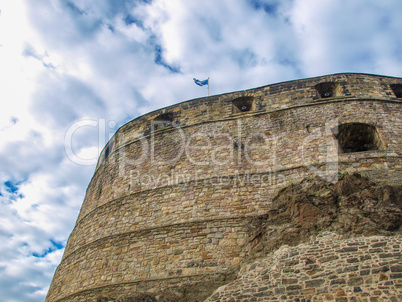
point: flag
(201, 83)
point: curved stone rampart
(175, 190)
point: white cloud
(66, 61)
(354, 36)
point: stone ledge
(343, 160)
(100, 288)
(242, 220)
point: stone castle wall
(325, 269)
(175, 190)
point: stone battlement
(176, 192)
(266, 99)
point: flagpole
(208, 86)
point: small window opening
(108, 149)
(243, 104)
(162, 121)
(397, 89)
(328, 89)
(358, 137)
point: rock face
(183, 196)
(352, 207)
(334, 256)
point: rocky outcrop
(351, 207)
(320, 242)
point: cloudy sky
(86, 67)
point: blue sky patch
(11, 186)
(129, 19)
(36, 255)
(270, 7)
(159, 60)
(55, 246)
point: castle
(178, 193)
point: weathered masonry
(175, 191)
